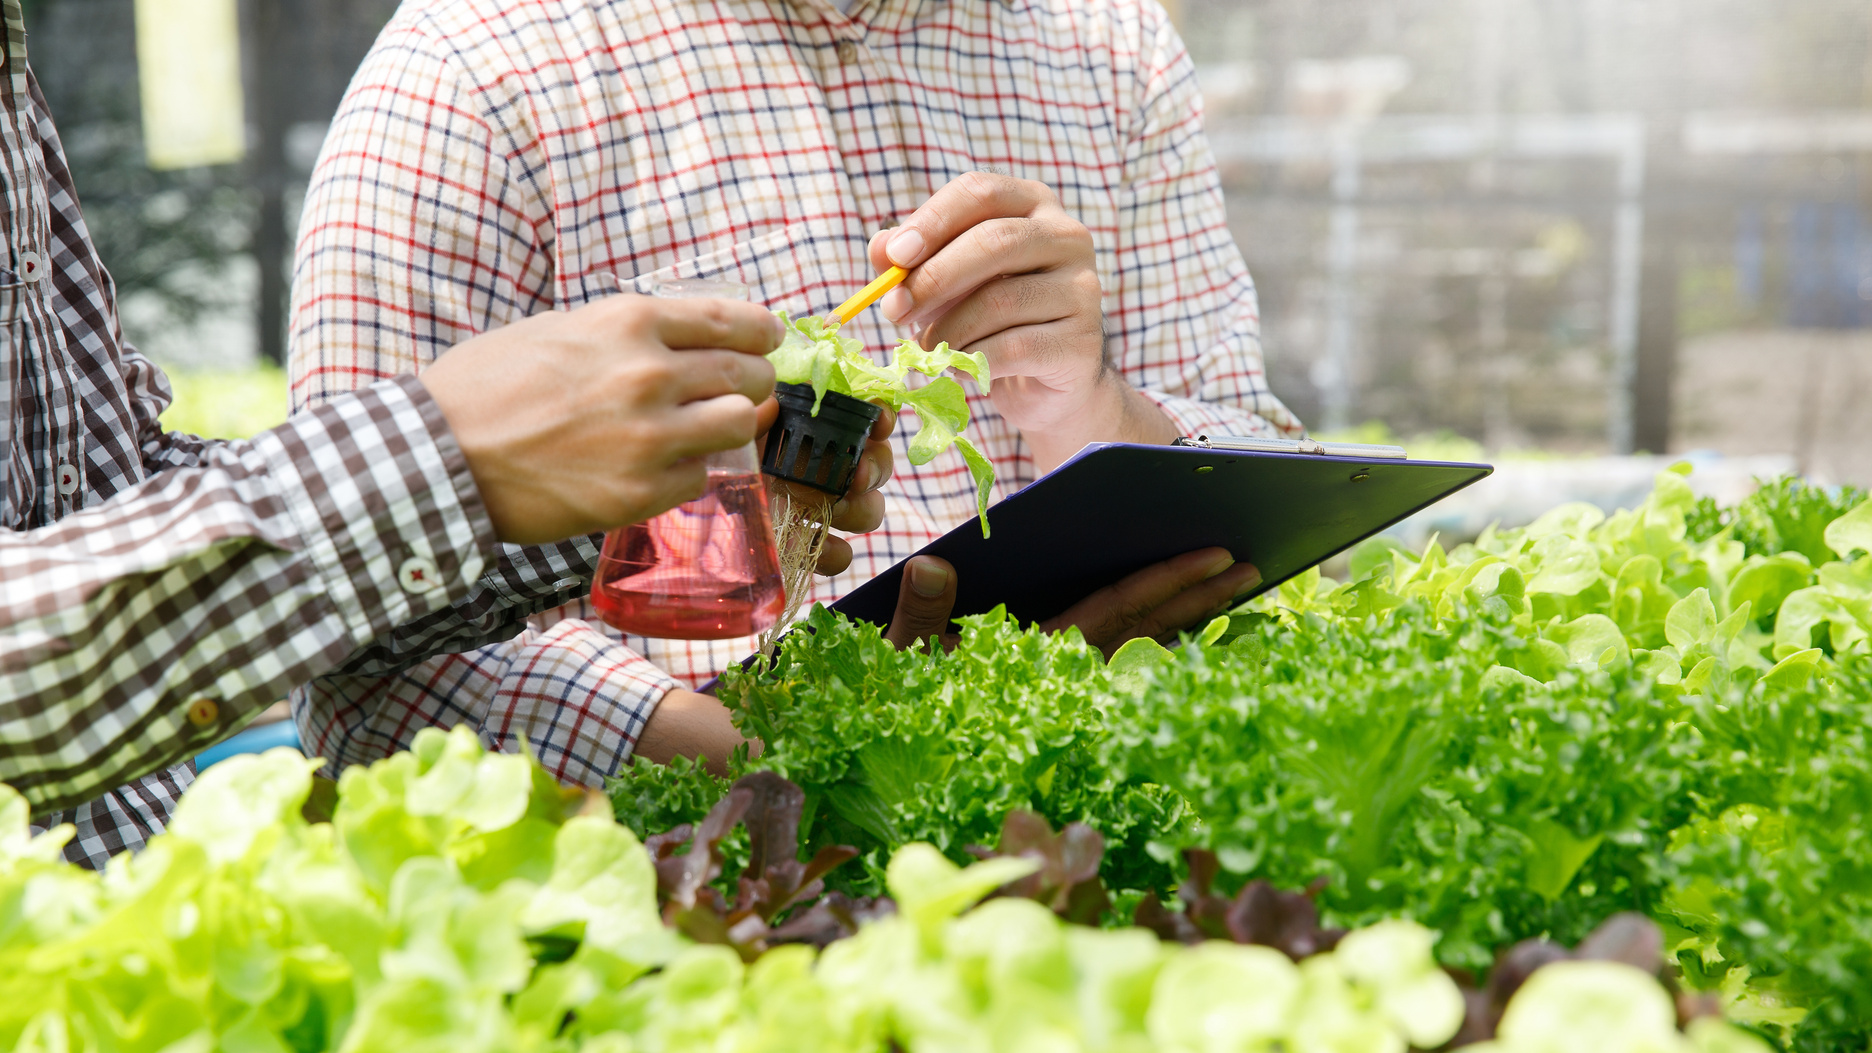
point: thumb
(924, 602)
(880, 260)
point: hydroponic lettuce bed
(460, 901)
(1597, 785)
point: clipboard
(1115, 508)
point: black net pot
(820, 451)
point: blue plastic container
(252, 740)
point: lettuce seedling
(814, 353)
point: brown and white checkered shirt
(158, 590)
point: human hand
(925, 598)
(579, 421)
(998, 266)
(1159, 601)
(861, 510)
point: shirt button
(202, 712)
(31, 267)
(847, 52)
(418, 575)
(67, 480)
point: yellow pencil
(870, 294)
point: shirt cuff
(578, 698)
(381, 495)
(1193, 417)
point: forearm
(692, 725)
(1114, 411)
(137, 632)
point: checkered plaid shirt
(158, 590)
(493, 159)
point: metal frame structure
(1349, 146)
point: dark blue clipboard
(1116, 508)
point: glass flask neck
(740, 459)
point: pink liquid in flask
(704, 570)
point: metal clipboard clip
(1313, 446)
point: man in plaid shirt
(158, 590)
(1042, 163)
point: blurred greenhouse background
(200, 255)
(1586, 228)
(1592, 226)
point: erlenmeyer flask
(706, 569)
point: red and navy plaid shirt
(496, 158)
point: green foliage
(460, 901)
(1605, 1007)
(1408, 763)
(1651, 586)
(1756, 620)
(410, 921)
(898, 746)
(1010, 976)
(1776, 880)
(1783, 515)
(226, 405)
(814, 353)
(1512, 739)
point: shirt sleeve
(563, 688)
(1182, 318)
(426, 223)
(122, 819)
(139, 631)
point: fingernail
(927, 579)
(877, 478)
(897, 304)
(906, 247)
(839, 508)
(1219, 566)
(1249, 584)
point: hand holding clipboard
(1118, 539)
